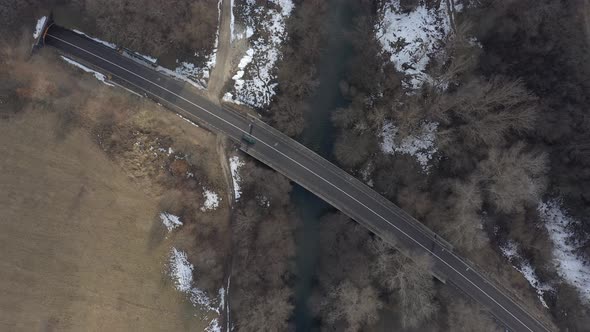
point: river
(319, 135)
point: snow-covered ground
(187, 120)
(181, 272)
(213, 326)
(570, 266)
(99, 76)
(39, 26)
(420, 145)
(234, 165)
(211, 200)
(173, 73)
(128, 53)
(170, 221)
(105, 43)
(413, 38)
(510, 251)
(255, 80)
(232, 22)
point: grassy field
(80, 247)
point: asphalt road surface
(304, 167)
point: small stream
(319, 136)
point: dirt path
(222, 70)
(221, 146)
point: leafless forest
(512, 128)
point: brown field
(80, 247)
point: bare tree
(269, 313)
(261, 297)
(352, 150)
(288, 114)
(460, 57)
(514, 178)
(490, 109)
(355, 305)
(467, 316)
(267, 185)
(154, 27)
(463, 224)
(411, 281)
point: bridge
(304, 167)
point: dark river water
(319, 136)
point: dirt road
(222, 70)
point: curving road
(303, 166)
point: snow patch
(214, 323)
(255, 81)
(105, 43)
(181, 272)
(232, 21)
(99, 76)
(213, 326)
(413, 38)
(221, 297)
(420, 145)
(179, 74)
(148, 58)
(170, 221)
(39, 27)
(570, 266)
(234, 165)
(286, 6)
(195, 74)
(187, 120)
(211, 200)
(510, 251)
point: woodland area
(297, 72)
(264, 249)
(512, 130)
(167, 30)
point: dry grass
(80, 248)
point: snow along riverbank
(573, 268)
(413, 37)
(255, 81)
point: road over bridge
(304, 167)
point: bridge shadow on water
(319, 135)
